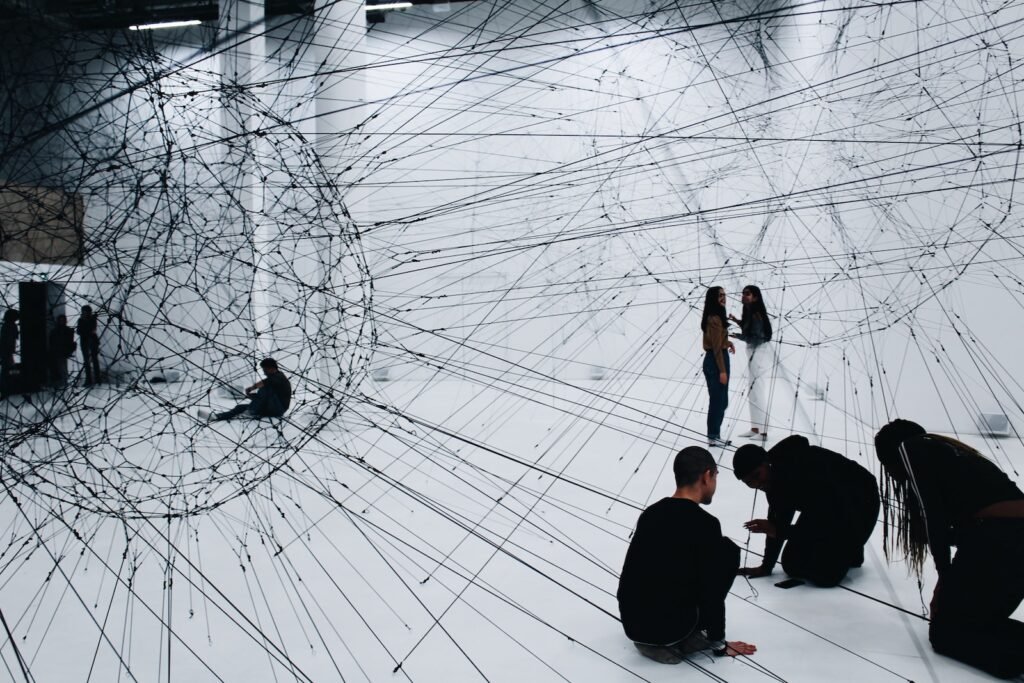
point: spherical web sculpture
(204, 252)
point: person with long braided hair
(938, 492)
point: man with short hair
(271, 396)
(837, 500)
(678, 570)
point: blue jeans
(718, 393)
(264, 404)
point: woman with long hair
(938, 492)
(755, 332)
(714, 325)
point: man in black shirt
(679, 569)
(270, 397)
(837, 500)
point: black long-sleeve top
(753, 330)
(811, 480)
(279, 384)
(86, 325)
(953, 485)
(677, 560)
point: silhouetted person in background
(939, 492)
(61, 347)
(8, 345)
(89, 339)
(837, 500)
(678, 570)
(271, 397)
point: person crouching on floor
(679, 569)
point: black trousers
(264, 404)
(58, 371)
(6, 385)
(91, 358)
(692, 622)
(727, 563)
(825, 544)
(976, 596)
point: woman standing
(756, 331)
(939, 492)
(716, 361)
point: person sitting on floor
(271, 396)
(837, 500)
(678, 570)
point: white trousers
(759, 369)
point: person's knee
(793, 566)
(828, 577)
(267, 409)
(660, 653)
(941, 634)
(821, 574)
(948, 631)
(960, 640)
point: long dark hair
(712, 307)
(757, 308)
(901, 507)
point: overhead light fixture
(165, 24)
(387, 5)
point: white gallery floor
(476, 537)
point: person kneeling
(939, 493)
(270, 397)
(679, 569)
(838, 503)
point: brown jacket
(716, 339)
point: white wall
(606, 170)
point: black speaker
(39, 303)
